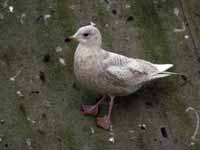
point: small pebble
(180, 30)
(19, 93)
(72, 7)
(15, 76)
(28, 141)
(23, 15)
(111, 128)
(176, 11)
(62, 61)
(2, 121)
(1, 137)
(11, 8)
(92, 130)
(46, 17)
(12, 79)
(32, 121)
(192, 143)
(58, 49)
(189, 109)
(186, 36)
(111, 140)
(127, 6)
(142, 126)
(106, 25)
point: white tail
(162, 71)
(163, 67)
(160, 76)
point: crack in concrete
(187, 22)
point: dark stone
(35, 92)
(184, 80)
(41, 132)
(2, 121)
(155, 139)
(149, 104)
(39, 18)
(42, 76)
(74, 85)
(130, 18)
(44, 116)
(164, 132)
(46, 58)
(6, 59)
(142, 127)
(184, 77)
(23, 109)
(186, 23)
(59, 139)
(114, 12)
(107, 1)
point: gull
(108, 73)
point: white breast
(85, 67)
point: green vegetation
(153, 34)
(155, 26)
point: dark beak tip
(68, 39)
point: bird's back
(111, 73)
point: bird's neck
(92, 48)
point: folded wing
(124, 71)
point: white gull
(107, 73)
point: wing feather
(124, 71)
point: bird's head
(87, 35)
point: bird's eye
(85, 34)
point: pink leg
(105, 122)
(91, 109)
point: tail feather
(166, 74)
(162, 71)
(171, 73)
(163, 67)
(161, 75)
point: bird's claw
(89, 110)
(103, 122)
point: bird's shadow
(149, 92)
(150, 96)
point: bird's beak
(70, 38)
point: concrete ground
(40, 98)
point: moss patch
(69, 139)
(102, 16)
(153, 34)
(155, 25)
